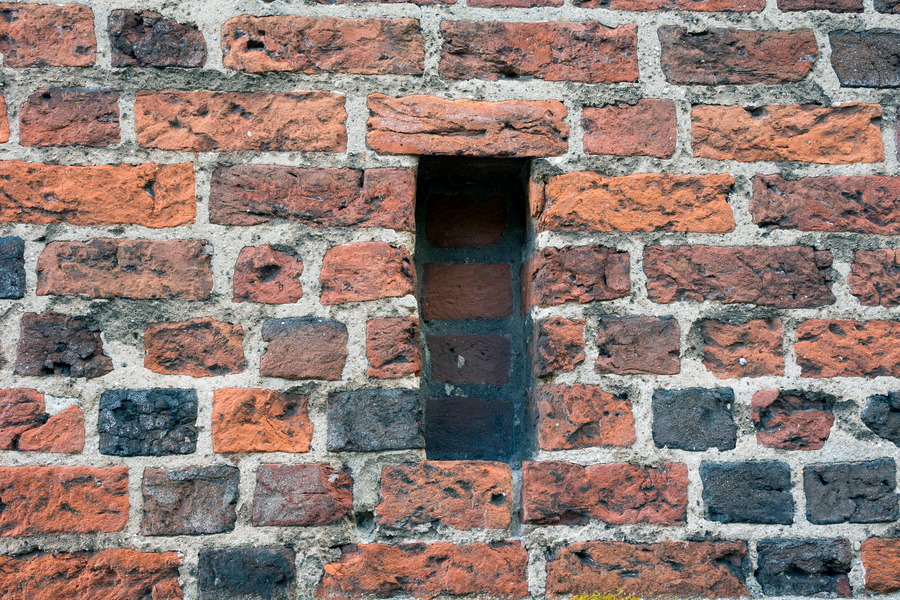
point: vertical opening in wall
(470, 217)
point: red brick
(570, 417)
(690, 5)
(751, 349)
(585, 51)
(69, 117)
(725, 56)
(234, 121)
(836, 6)
(63, 432)
(875, 277)
(560, 493)
(304, 348)
(792, 420)
(881, 561)
(416, 2)
(779, 276)
(392, 347)
(311, 45)
(38, 35)
(199, 348)
(56, 500)
(664, 569)
(843, 203)
(457, 494)
(468, 358)
(52, 344)
(646, 128)
(845, 348)
(20, 411)
(253, 420)
(512, 3)
(430, 125)
(834, 135)
(635, 345)
(115, 268)
(306, 495)
(253, 194)
(582, 274)
(557, 345)
(466, 291)
(266, 275)
(458, 220)
(150, 195)
(112, 574)
(366, 271)
(497, 569)
(4, 121)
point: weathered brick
(882, 415)
(253, 194)
(147, 39)
(58, 500)
(691, 5)
(664, 569)
(694, 419)
(634, 345)
(373, 420)
(646, 128)
(430, 125)
(308, 495)
(851, 492)
(748, 492)
(366, 271)
(311, 45)
(470, 358)
(69, 117)
(559, 493)
(266, 275)
(20, 410)
(807, 567)
(881, 560)
(244, 573)
(116, 268)
(866, 58)
(845, 348)
(875, 277)
(726, 56)
(464, 220)
(153, 422)
(63, 432)
(589, 202)
(834, 135)
(570, 417)
(582, 274)
(190, 501)
(557, 344)
(779, 276)
(392, 347)
(750, 349)
(836, 6)
(512, 3)
(586, 51)
(792, 419)
(39, 35)
(150, 195)
(109, 574)
(457, 494)
(497, 569)
(466, 291)
(199, 348)
(4, 121)
(887, 6)
(843, 203)
(12, 267)
(254, 420)
(55, 344)
(462, 428)
(234, 121)
(304, 348)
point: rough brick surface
(148, 39)
(463, 358)
(581, 416)
(881, 559)
(748, 492)
(55, 344)
(69, 117)
(12, 267)
(154, 422)
(36, 35)
(464, 428)
(875, 277)
(636, 345)
(199, 348)
(866, 58)
(845, 348)
(392, 347)
(241, 573)
(557, 345)
(366, 271)
(581, 274)
(266, 275)
(852, 492)
(304, 348)
(646, 128)
(792, 419)
(751, 349)
(692, 5)
(308, 495)
(804, 567)
(882, 415)
(20, 410)
(694, 419)
(191, 501)
(63, 432)
(4, 121)
(254, 420)
(371, 420)
(836, 6)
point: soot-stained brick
(153, 422)
(748, 492)
(882, 415)
(146, 39)
(246, 573)
(804, 567)
(191, 501)
(792, 419)
(12, 267)
(854, 492)
(373, 420)
(54, 344)
(694, 419)
(469, 429)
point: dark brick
(470, 358)
(466, 291)
(306, 495)
(153, 422)
(146, 39)
(373, 420)
(633, 345)
(792, 419)
(461, 220)
(54, 344)
(835, 6)
(748, 492)
(804, 567)
(887, 6)
(882, 415)
(304, 348)
(851, 492)
(191, 501)
(866, 58)
(246, 573)
(694, 419)
(12, 267)
(557, 345)
(469, 429)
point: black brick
(153, 422)
(694, 419)
(373, 420)
(857, 492)
(748, 492)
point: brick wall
(210, 283)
